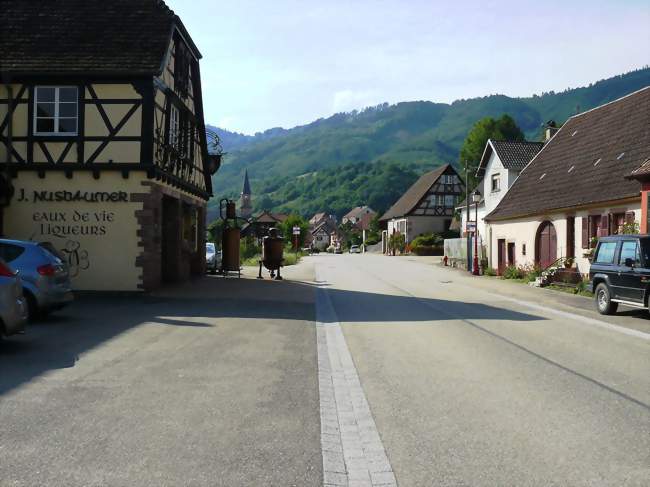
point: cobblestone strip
(353, 454)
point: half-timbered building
(102, 139)
(427, 206)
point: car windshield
(209, 247)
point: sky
(283, 63)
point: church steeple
(245, 204)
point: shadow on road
(58, 341)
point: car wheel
(604, 300)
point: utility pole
(468, 242)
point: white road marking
(353, 453)
(564, 314)
(574, 316)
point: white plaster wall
(524, 231)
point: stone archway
(545, 245)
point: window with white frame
(449, 200)
(55, 110)
(174, 126)
(440, 200)
(447, 179)
(496, 183)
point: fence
(456, 250)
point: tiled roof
(643, 171)
(327, 226)
(414, 194)
(358, 212)
(116, 37)
(586, 161)
(514, 154)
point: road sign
(296, 230)
(470, 226)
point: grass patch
(571, 290)
(290, 258)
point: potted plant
(568, 262)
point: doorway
(501, 256)
(546, 245)
(511, 253)
(170, 241)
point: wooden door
(546, 245)
(511, 253)
(501, 258)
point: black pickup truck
(620, 272)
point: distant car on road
(620, 272)
(13, 308)
(355, 249)
(212, 257)
(43, 273)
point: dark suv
(620, 272)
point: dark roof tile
(115, 37)
(586, 161)
(415, 193)
(514, 154)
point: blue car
(43, 273)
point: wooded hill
(372, 156)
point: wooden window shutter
(585, 232)
(604, 225)
(629, 217)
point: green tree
(397, 243)
(286, 227)
(214, 231)
(503, 128)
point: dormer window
(496, 183)
(55, 110)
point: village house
(260, 224)
(360, 217)
(102, 139)
(324, 234)
(319, 218)
(580, 186)
(426, 207)
(500, 165)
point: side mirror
(629, 262)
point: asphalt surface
(475, 382)
(213, 384)
(470, 382)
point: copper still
(272, 254)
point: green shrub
(427, 240)
(372, 240)
(248, 248)
(513, 272)
(397, 242)
(532, 272)
(489, 271)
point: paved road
(473, 382)
(213, 384)
(357, 370)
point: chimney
(551, 128)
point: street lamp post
(468, 243)
(476, 197)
